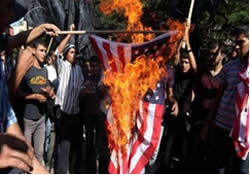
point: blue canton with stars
(150, 47)
(156, 96)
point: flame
(126, 90)
(169, 49)
(133, 11)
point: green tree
(214, 19)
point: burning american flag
(133, 73)
(135, 116)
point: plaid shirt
(7, 114)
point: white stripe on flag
(148, 134)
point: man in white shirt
(69, 124)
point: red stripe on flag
(98, 52)
(106, 46)
(154, 141)
(125, 163)
(247, 130)
(142, 131)
(112, 168)
(121, 56)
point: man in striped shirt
(226, 158)
(69, 124)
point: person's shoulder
(231, 64)
(170, 70)
(78, 67)
(58, 54)
(45, 67)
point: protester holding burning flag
(131, 70)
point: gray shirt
(32, 82)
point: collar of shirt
(68, 63)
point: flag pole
(81, 32)
(50, 44)
(190, 11)
(189, 18)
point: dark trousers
(97, 143)
(176, 145)
(102, 145)
(69, 130)
(226, 158)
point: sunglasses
(239, 42)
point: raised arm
(177, 55)
(188, 46)
(65, 41)
(24, 63)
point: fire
(129, 87)
(133, 11)
(126, 90)
(168, 49)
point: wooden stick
(188, 20)
(79, 32)
(50, 44)
(190, 11)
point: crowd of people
(53, 110)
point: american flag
(114, 56)
(240, 130)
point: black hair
(213, 44)
(242, 30)
(184, 54)
(51, 52)
(36, 42)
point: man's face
(185, 64)
(71, 54)
(40, 53)
(6, 14)
(95, 68)
(214, 56)
(241, 45)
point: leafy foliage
(214, 19)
